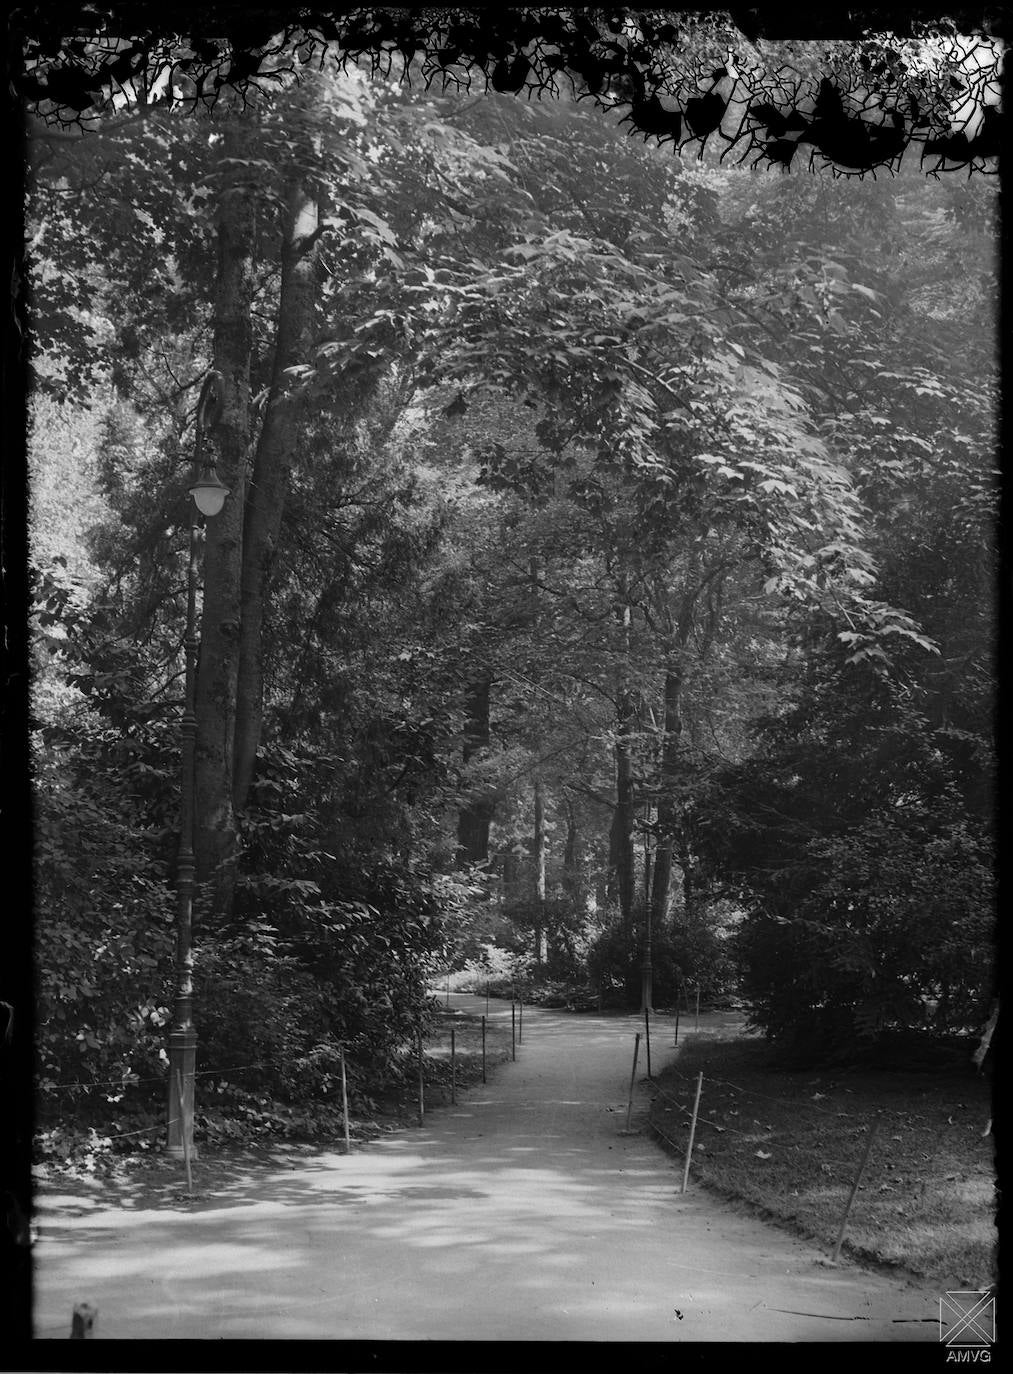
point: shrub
(895, 936)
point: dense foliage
(689, 79)
(606, 568)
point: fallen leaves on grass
(943, 1223)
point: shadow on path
(523, 1213)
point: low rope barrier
(338, 1059)
(768, 1139)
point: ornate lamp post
(646, 967)
(209, 497)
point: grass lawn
(790, 1143)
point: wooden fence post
(854, 1187)
(422, 1091)
(82, 1322)
(344, 1104)
(633, 1076)
(692, 1132)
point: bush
(895, 937)
(564, 927)
(687, 954)
(104, 943)
(492, 965)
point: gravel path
(523, 1213)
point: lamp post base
(182, 1068)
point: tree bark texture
(667, 829)
(271, 472)
(667, 821)
(571, 875)
(512, 875)
(539, 848)
(688, 884)
(622, 863)
(622, 867)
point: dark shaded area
(641, 70)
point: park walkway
(523, 1213)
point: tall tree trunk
(622, 866)
(539, 848)
(571, 875)
(511, 876)
(218, 673)
(475, 815)
(667, 821)
(688, 883)
(271, 472)
(680, 629)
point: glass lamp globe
(209, 492)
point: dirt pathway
(523, 1213)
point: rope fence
(346, 1070)
(515, 1014)
(809, 1160)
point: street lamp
(209, 495)
(646, 967)
(208, 492)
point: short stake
(854, 1187)
(692, 1132)
(82, 1321)
(422, 1091)
(676, 1040)
(453, 1067)
(647, 1039)
(633, 1078)
(520, 1020)
(344, 1104)
(483, 1049)
(696, 1022)
(513, 1030)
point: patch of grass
(790, 1141)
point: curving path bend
(523, 1213)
